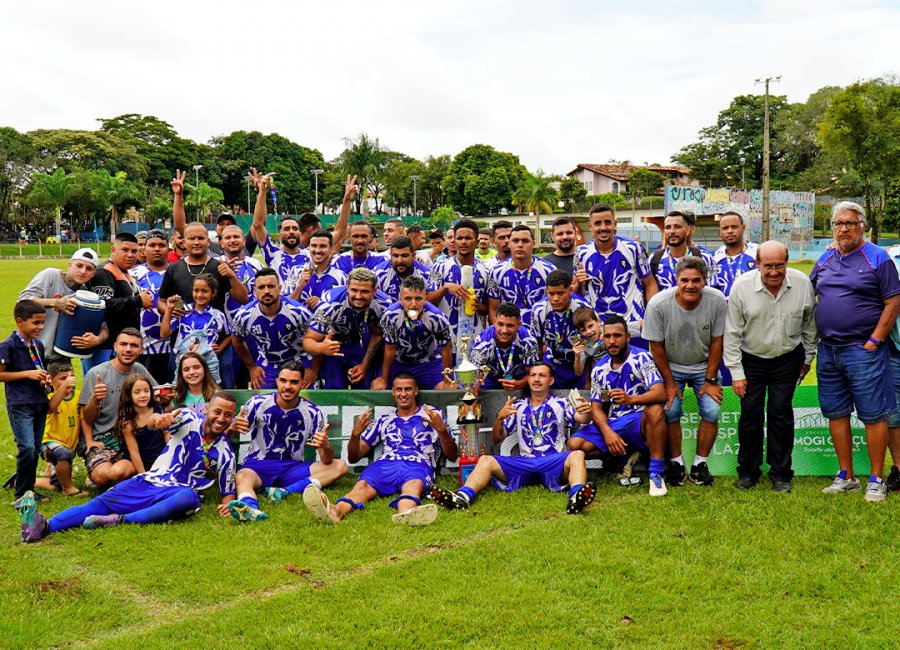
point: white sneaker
(876, 491)
(658, 486)
(842, 485)
(418, 516)
(319, 505)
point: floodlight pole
(414, 179)
(765, 177)
(317, 172)
(197, 169)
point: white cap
(86, 255)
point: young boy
(61, 432)
(22, 370)
(591, 349)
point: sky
(557, 83)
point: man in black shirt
(565, 238)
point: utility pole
(765, 178)
(415, 180)
(197, 169)
(317, 172)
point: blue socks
(250, 501)
(467, 493)
(874, 479)
(657, 466)
(299, 486)
(574, 489)
(842, 474)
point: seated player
(407, 463)
(416, 339)
(344, 336)
(282, 424)
(197, 447)
(628, 378)
(541, 422)
(551, 323)
(507, 349)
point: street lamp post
(765, 178)
(414, 180)
(317, 172)
(248, 197)
(197, 169)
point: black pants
(160, 366)
(777, 377)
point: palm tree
(534, 194)
(112, 190)
(205, 198)
(52, 190)
(365, 158)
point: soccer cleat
(581, 499)
(243, 512)
(626, 476)
(700, 474)
(893, 480)
(418, 516)
(276, 494)
(319, 505)
(876, 491)
(657, 486)
(447, 499)
(101, 521)
(34, 525)
(675, 475)
(842, 485)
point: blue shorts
(709, 410)
(541, 470)
(278, 473)
(564, 377)
(850, 376)
(389, 476)
(894, 419)
(137, 494)
(627, 426)
(333, 373)
(428, 373)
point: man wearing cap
(54, 290)
(223, 221)
(157, 356)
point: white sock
(249, 495)
(678, 460)
(315, 482)
(699, 459)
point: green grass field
(701, 568)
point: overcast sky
(557, 83)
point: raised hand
(163, 420)
(240, 423)
(508, 409)
(178, 182)
(226, 270)
(435, 419)
(319, 439)
(362, 423)
(260, 180)
(351, 190)
(99, 391)
(330, 347)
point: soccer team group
(602, 316)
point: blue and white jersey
(521, 288)
(729, 269)
(635, 376)
(555, 329)
(449, 271)
(207, 325)
(410, 438)
(665, 270)
(276, 434)
(246, 271)
(151, 319)
(319, 283)
(389, 281)
(188, 461)
(276, 340)
(346, 262)
(511, 363)
(615, 280)
(419, 340)
(351, 326)
(288, 266)
(541, 430)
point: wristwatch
(714, 380)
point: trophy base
(466, 465)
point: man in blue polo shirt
(403, 264)
(859, 297)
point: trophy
(467, 376)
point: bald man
(770, 343)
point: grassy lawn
(701, 568)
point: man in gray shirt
(99, 403)
(685, 325)
(770, 343)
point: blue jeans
(98, 357)
(27, 422)
(851, 376)
(709, 410)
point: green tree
(111, 191)
(365, 158)
(398, 183)
(51, 191)
(87, 151)
(203, 199)
(429, 187)
(571, 190)
(644, 182)
(158, 206)
(861, 127)
(534, 194)
(481, 180)
(16, 157)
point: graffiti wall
(790, 213)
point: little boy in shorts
(22, 370)
(62, 430)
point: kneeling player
(541, 423)
(407, 463)
(628, 378)
(281, 425)
(170, 489)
